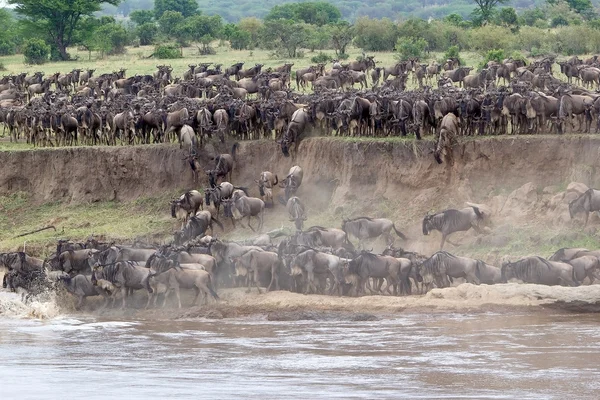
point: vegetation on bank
(294, 30)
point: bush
(7, 48)
(492, 37)
(36, 51)
(452, 52)
(492, 55)
(168, 51)
(321, 58)
(375, 34)
(343, 56)
(410, 47)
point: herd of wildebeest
(316, 260)
(81, 108)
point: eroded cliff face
(335, 171)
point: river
(489, 355)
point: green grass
(145, 218)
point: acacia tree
(58, 19)
(485, 10)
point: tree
(314, 13)
(187, 8)
(375, 34)
(200, 28)
(147, 33)
(341, 35)
(583, 7)
(170, 23)
(484, 12)
(507, 17)
(285, 35)
(58, 19)
(110, 39)
(253, 26)
(141, 17)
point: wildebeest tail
(233, 150)
(276, 180)
(477, 212)
(400, 234)
(478, 267)
(147, 282)
(211, 289)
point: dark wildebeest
(442, 265)
(364, 228)
(367, 265)
(309, 262)
(296, 212)
(292, 181)
(295, 131)
(123, 275)
(196, 226)
(567, 254)
(223, 167)
(186, 206)
(540, 271)
(586, 203)
(81, 286)
(450, 221)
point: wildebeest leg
(178, 294)
(587, 216)
(197, 289)
(250, 226)
(124, 294)
(80, 302)
(256, 277)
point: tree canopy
(58, 19)
(187, 8)
(315, 13)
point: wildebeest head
(212, 177)
(227, 208)
(426, 223)
(507, 272)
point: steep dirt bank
(343, 169)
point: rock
(556, 200)
(521, 201)
(590, 230)
(496, 203)
(577, 187)
(551, 189)
(319, 316)
(498, 240)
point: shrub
(321, 58)
(452, 52)
(36, 51)
(492, 37)
(492, 55)
(6, 47)
(410, 47)
(343, 56)
(147, 33)
(167, 51)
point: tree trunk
(62, 49)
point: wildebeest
(196, 225)
(364, 228)
(174, 276)
(266, 183)
(295, 131)
(81, 286)
(186, 206)
(124, 275)
(310, 262)
(296, 212)
(368, 265)
(449, 130)
(240, 207)
(292, 181)
(540, 271)
(585, 267)
(442, 265)
(450, 221)
(256, 262)
(224, 164)
(586, 203)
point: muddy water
(483, 355)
